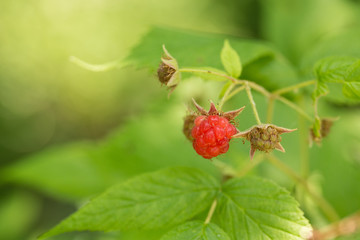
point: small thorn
(284, 130)
(233, 114)
(199, 108)
(252, 152)
(171, 89)
(279, 147)
(212, 110)
(241, 134)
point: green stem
(270, 109)
(211, 212)
(258, 88)
(233, 93)
(252, 102)
(316, 113)
(294, 87)
(295, 107)
(327, 209)
(225, 97)
(234, 80)
(304, 148)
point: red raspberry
(212, 135)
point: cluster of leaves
(247, 208)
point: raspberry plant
(192, 203)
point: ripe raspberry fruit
(212, 131)
(212, 135)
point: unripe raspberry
(264, 138)
(212, 131)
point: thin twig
(343, 227)
(293, 87)
(270, 109)
(252, 102)
(259, 89)
(295, 107)
(233, 93)
(225, 97)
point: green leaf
(211, 76)
(352, 90)
(231, 60)
(259, 209)
(344, 70)
(196, 230)
(334, 69)
(160, 199)
(17, 213)
(191, 48)
(73, 171)
(321, 89)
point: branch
(343, 227)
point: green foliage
(231, 60)
(344, 70)
(201, 49)
(263, 209)
(154, 200)
(196, 230)
(171, 196)
(56, 170)
(13, 205)
(259, 62)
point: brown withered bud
(265, 137)
(167, 72)
(317, 133)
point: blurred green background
(67, 134)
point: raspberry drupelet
(212, 131)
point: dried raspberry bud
(321, 129)
(212, 131)
(168, 71)
(265, 137)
